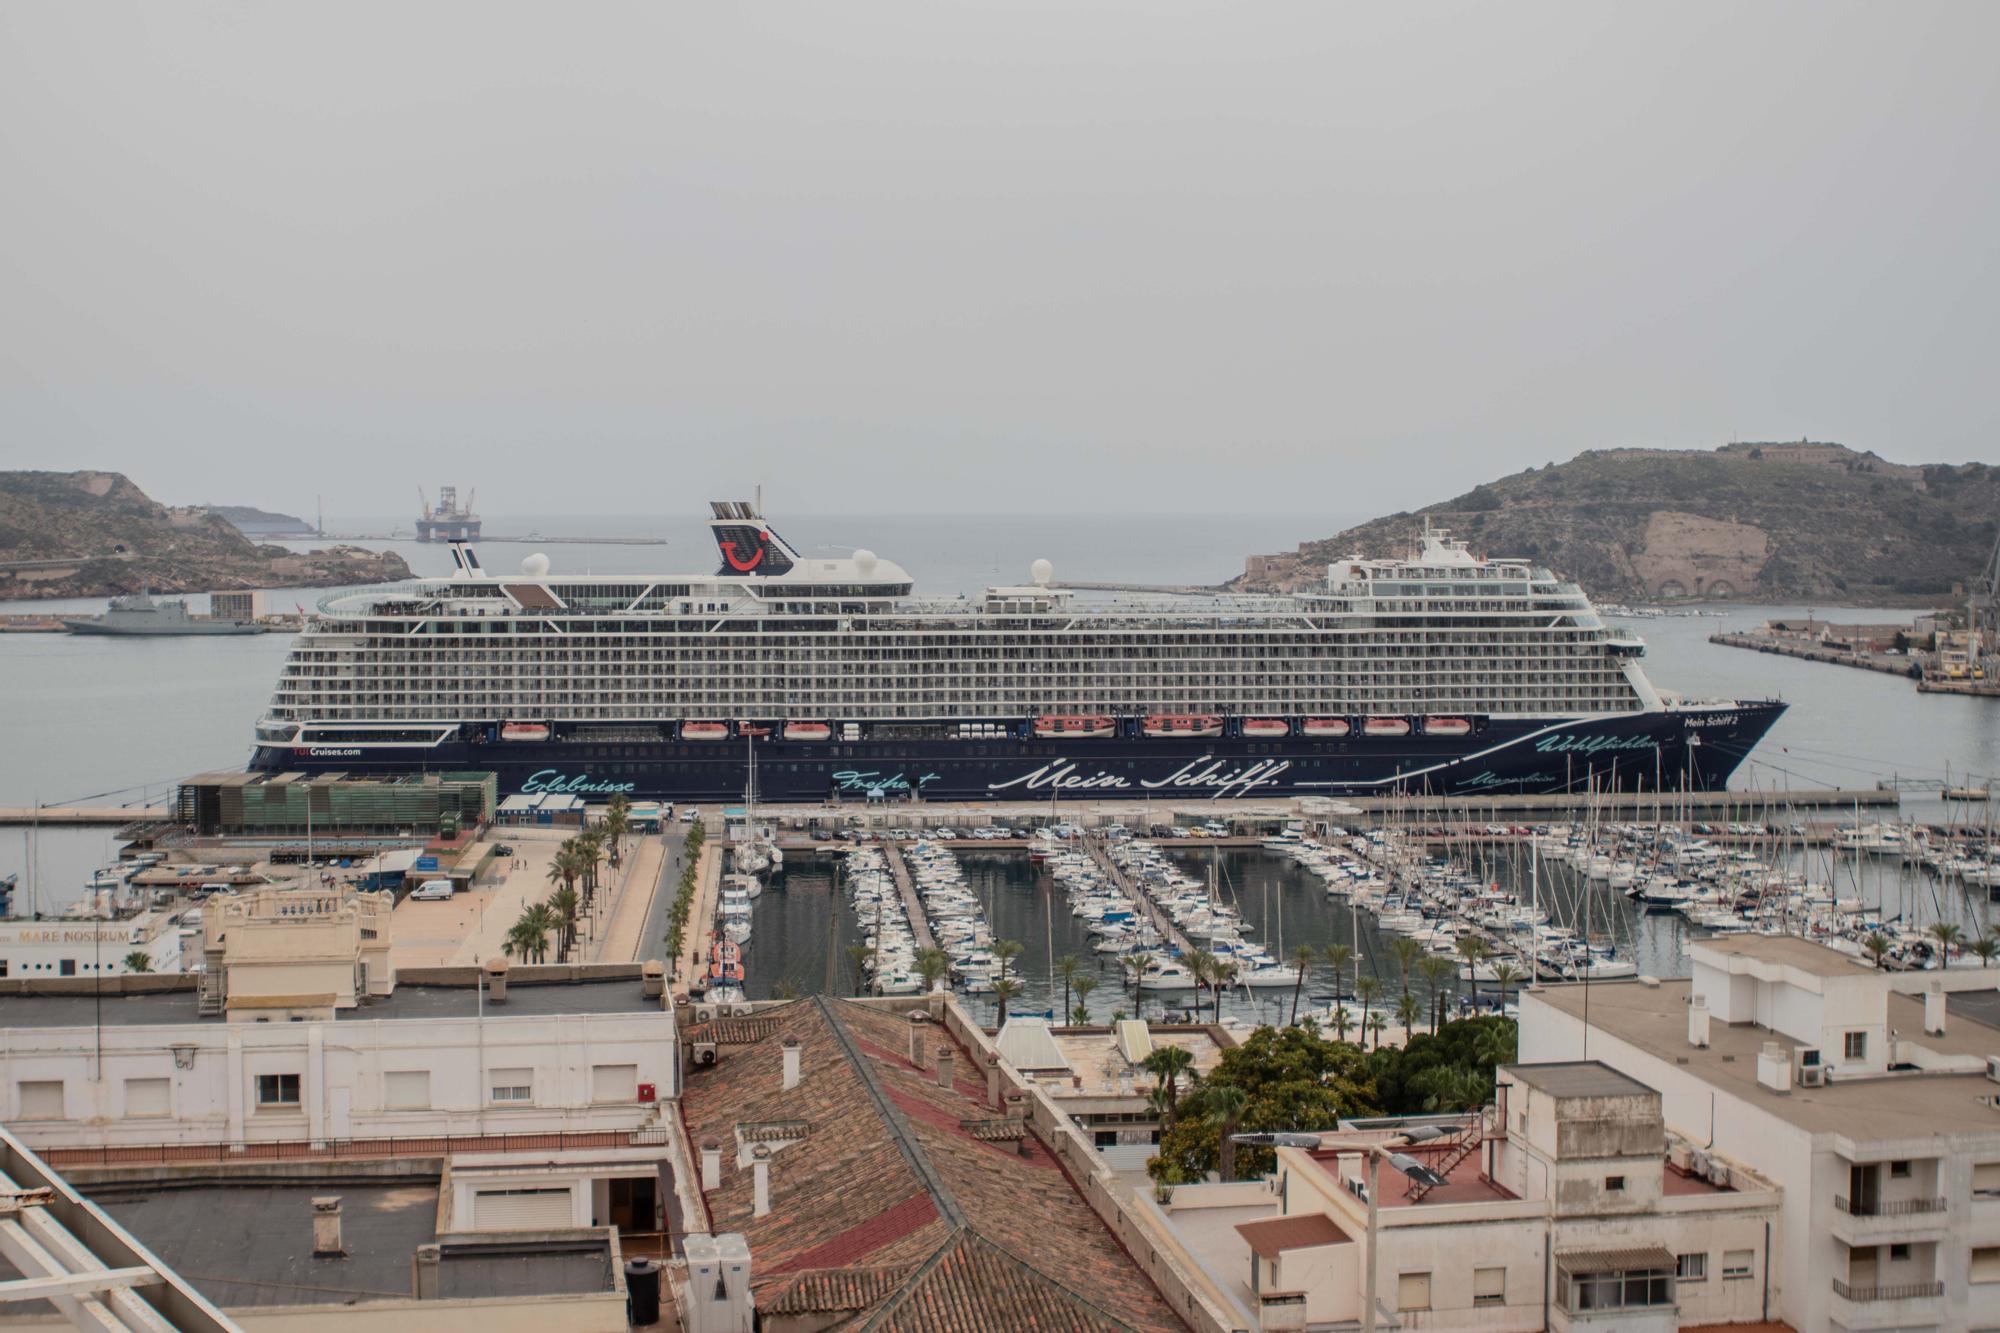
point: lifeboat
(1386, 726)
(524, 731)
(1182, 724)
(1075, 724)
(754, 729)
(1447, 726)
(1326, 726)
(704, 731)
(808, 731)
(1270, 726)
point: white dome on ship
(535, 566)
(864, 562)
(1041, 571)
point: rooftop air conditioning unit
(1993, 1068)
(704, 1053)
(1698, 1163)
(1718, 1173)
(741, 1011)
(1812, 1076)
(704, 1013)
(1682, 1157)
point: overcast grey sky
(983, 256)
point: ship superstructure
(1438, 671)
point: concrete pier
(913, 906)
(1161, 921)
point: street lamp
(1377, 1154)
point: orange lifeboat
(1075, 724)
(808, 731)
(752, 729)
(1268, 726)
(1386, 726)
(1326, 726)
(524, 731)
(1447, 726)
(1181, 724)
(704, 731)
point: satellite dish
(1041, 571)
(535, 566)
(864, 562)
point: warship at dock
(1437, 672)
(141, 616)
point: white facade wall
(1810, 1171)
(342, 1069)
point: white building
(74, 946)
(1564, 1206)
(1873, 1110)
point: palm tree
(1068, 967)
(563, 903)
(857, 959)
(932, 964)
(1084, 986)
(1407, 1009)
(589, 854)
(1877, 945)
(520, 940)
(1339, 955)
(1376, 1022)
(1223, 973)
(543, 918)
(1007, 951)
(1474, 951)
(138, 961)
(1302, 958)
(1438, 972)
(1342, 1020)
(1136, 964)
(1005, 989)
(617, 822)
(1947, 935)
(1167, 1064)
(1201, 965)
(1505, 974)
(1986, 947)
(1367, 990)
(1406, 952)
(1222, 1105)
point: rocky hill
(91, 534)
(254, 522)
(1754, 522)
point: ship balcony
(1859, 1224)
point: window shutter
(42, 1100)
(1489, 1286)
(1413, 1291)
(407, 1090)
(614, 1083)
(147, 1097)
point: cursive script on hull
(558, 783)
(1594, 744)
(874, 780)
(1215, 778)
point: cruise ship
(1439, 672)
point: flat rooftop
(1895, 1106)
(1094, 1058)
(1577, 1078)
(1462, 1184)
(624, 996)
(1788, 950)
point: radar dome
(1041, 571)
(535, 566)
(864, 562)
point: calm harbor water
(120, 721)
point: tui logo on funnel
(749, 550)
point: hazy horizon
(970, 257)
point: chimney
(496, 980)
(1934, 1009)
(1698, 1023)
(711, 1165)
(945, 1061)
(935, 1003)
(653, 979)
(424, 1271)
(326, 1227)
(760, 1180)
(919, 1025)
(993, 1082)
(792, 1054)
(1017, 1112)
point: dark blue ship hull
(1691, 750)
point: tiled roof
(896, 1175)
(833, 1291)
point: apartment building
(1871, 1099)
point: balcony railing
(1900, 1291)
(1887, 1207)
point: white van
(431, 890)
